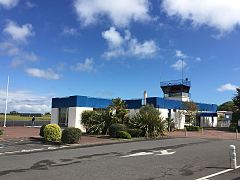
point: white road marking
(52, 147)
(216, 174)
(160, 153)
(139, 154)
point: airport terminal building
(67, 111)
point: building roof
(157, 102)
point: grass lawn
(21, 118)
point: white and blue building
(67, 111)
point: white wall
(54, 115)
(75, 117)
(207, 122)
(164, 113)
(179, 119)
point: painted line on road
(31, 150)
(156, 153)
(216, 174)
(139, 154)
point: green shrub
(135, 132)
(233, 127)
(149, 120)
(52, 133)
(123, 135)
(1, 132)
(193, 128)
(97, 122)
(41, 133)
(71, 135)
(114, 128)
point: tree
(118, 109)
(227, 106)
(236, 99)
(191, 109)
(149, 121)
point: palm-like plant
(118, 109)
(150, 121)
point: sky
(109, 49)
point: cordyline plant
(150, 121)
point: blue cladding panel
(207, 107)
(84, 101)
(80, 101)
(208, 114)
(64, 102)
(173, 104)
(134, 104)
(97, 103)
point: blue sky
(108, 49)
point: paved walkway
(211, 134)
(26, 132)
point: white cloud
(18, 55)
(30, 4)
(145, 49)
(41, 73)
(227, 87)
(8, 4)
(121, 13)
(179, 65)
(125, 45)
(25, 101)
(18, 33)
(180, 54)
(113, 37)
(87, 65)
(223, 15)
(69, 31)
(198, 59)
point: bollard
(202, 131)
(236, 133)
(185, 131)
(232, 155)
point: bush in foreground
(71, 135)
(135, 132)
(114, 128)
(193, 128)
(123, 135)
(1, 132)
(52, 133)
(41, 133)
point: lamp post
(5, 119)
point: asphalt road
(179, 158)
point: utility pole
(182, 69)
(5, 119)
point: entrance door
(63, 117)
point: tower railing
(185, 82)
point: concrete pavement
(193, 158)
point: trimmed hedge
(123, 135)
(114, 128)
(71, 135)
(135, 132)
(193, 128)
(41, 133)
(52, 133)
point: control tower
(176, 89)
